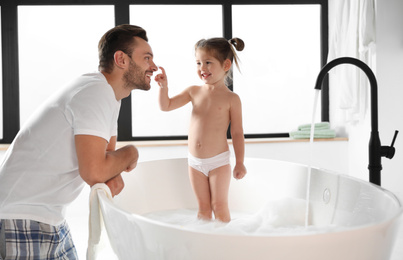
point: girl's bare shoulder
(233, 94)
(234, 98)
(194, 89)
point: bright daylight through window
(279, 64)
(172, 35)
(53, 54)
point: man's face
(141, 67)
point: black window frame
(10, 64)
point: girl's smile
(205, 75)
(209, 69)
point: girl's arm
(166, 103)
(238, 139)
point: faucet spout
(375, 149)
(372, 81)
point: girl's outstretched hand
(239, 171)
(161, 78)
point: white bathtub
(368, 216)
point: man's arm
(99, 162)
(116, 184)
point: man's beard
(135, 78)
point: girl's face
(209, 69)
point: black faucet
(376, 151)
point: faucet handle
(389, 151)
(394, 138)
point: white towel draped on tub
(352, 34)
(105, 229)
(96, 223)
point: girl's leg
(201, 187)
(220, 179)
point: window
(172, 40)
(286, 44)
(280, 63)
(53, 53)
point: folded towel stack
(321, 130)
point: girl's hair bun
(237, 43)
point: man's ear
(120, 59)
(227, 64)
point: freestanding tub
(365, 215)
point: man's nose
(154, 67)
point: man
(68, 142)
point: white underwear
(208, 164)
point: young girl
(214, 108)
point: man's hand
(116, 185)
(99, 163)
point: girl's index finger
(162, 69)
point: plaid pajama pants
(31, 240)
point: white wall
(389, 71)
(390, 81)
(329, 155)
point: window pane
(279, 65)
(57, 44)
(172, 31)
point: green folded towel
(306, 134)
(318, 126)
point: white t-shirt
(39, 175)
